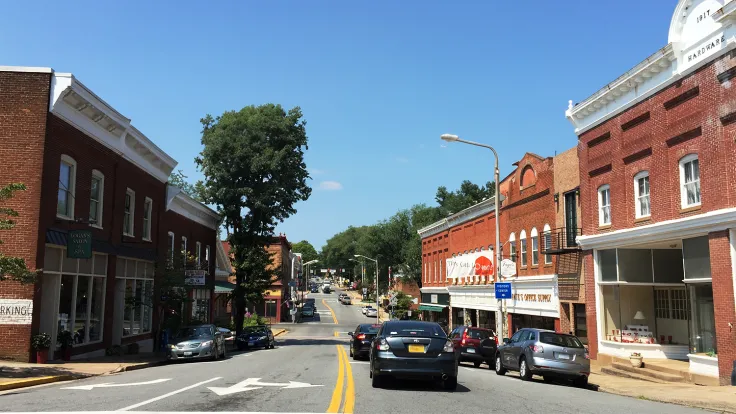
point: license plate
(251, 343)
(187, 353)
(416, 349)
(471, 350)
(563, 356)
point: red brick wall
(723, 303)
(435, 249)
(24, 102)
(590, 307)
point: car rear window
(411, 329)
(369, 329)
(481, 334)
(567, 341)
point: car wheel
(500, 370)
(476, 364)
(581, 382)
(224, 351)
(524, 372)
(450, 383)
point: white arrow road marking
(254, 384)
(112, 384)
(169, 394)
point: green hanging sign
(79, 244)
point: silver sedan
(197, 342)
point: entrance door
(571, 218)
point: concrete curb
(705, 405)
(279, 332)
(142, 365)
(30, 382)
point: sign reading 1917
(79, 244)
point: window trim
(207, 255)
(601, 189)
(547, 232)
(683, 191)
(101, 202)
(637, 205)
(131, 193)
(512, 247)
(535, 237)
(522, 247)
(185, 249)
(198, 252)
(147, 219)
(66, 159)
(172, 237)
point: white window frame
(184, 250)
(145, 278)
(97, 174)
(547, 233)
(71, 192)
(198, 252)
(683, 189)
(146, 232)
(601, 206)
(638, 197)
(535, 246)
(129, 216)
(512, 247)
(172, 245)
(522, 248)
(207, 255)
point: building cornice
(692, 226)
(433, 290)
(181, 203)
(470, 213)
(26, 69)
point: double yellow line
(344, 374)
(334, 318)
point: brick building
(94, 217)
(656, 149)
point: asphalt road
(309, 372)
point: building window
(201, 305)
(81, 293)
(129, 213)
(207, 255)
(671, 304)
(198, 253)
(535, 247)
(522, 239)
(604, 205)
(184, 249)
(67, 186)
(147, 211)
(270, 309)
(547, 243)
(170, 245)
(690, 181)
(135, 277)
(96, 196)
(512, 247)
(641, 192)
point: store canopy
(431, 308)
(222, 286)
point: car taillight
(382, 345)
(465, 336)
(537, 349)
(361, 337)
(448, 347)
(587, 354)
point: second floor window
(690, 181)
(67, 184)
(512, 247)
(129, 212)
(147, 209)
(604, 205)
(198, 253)
(96, 194)
(184, 249)
(641, 191)
(535, 247)
(522, 239)
(170, 246)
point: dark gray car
(197, 342)
(546, 353)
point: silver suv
(546, 353)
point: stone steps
(628, 374)
(648, 372)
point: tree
(12, 268)
(253, 164)
(306, 249)
(178, 179)
(467, 195)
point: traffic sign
(503, 290)
(292, 283)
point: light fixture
(449, 137)
(557, 197)
(639, 316)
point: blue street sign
(503, 290)
(292, 283)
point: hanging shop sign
(195, 277)
(79, 244)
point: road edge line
(332, 312)
(169, 394)
(336, 400)
(349, 406)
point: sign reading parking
(503, 290)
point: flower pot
(42, 356)
(636, 361)
(66, 353)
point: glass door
(702, 320)
(571, 218)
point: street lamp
(362, 271)
(306, 274)
(378, 306)
(455, 138)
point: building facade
(93, 219)
(656, 149)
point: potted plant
(41, 344)
(65, 339)
(636, 359)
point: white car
(371, 313)
(365, 308)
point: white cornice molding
(433, 290)
(28, 69)
(472, 289)
(684, 228)
(179, 202)
(470, 213)
(77, 105)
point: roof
(183, 204)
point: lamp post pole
(496, 176)
(378, 307)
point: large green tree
(178, 179)
(253, 164)
(306, 249)
(12, 268)
(467, 195)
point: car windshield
(479, 334)
(369, 329)
(415, 329)
(563, 340)
(194, 332)
(255, 329)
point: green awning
(431, 308)
(222, 286)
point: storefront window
(201, 305)
(138, 278)
(520, 321)
(703, 330)
(607, 265)
(270, 309)
(696, 252)
(581, 327)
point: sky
(378, 81)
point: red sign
(483, 266)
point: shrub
(41, 341)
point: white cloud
(330, 185)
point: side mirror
(350, 333)
(506, 340)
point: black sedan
(363, 335)
(413, 350)
(256, 337)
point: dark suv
(476, 345)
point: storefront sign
(79, 244)
(503, 290)
(471, 264)
(16, 311)
(535, 297)
(433, 298)
(436, 298)
(195, 277)
(531, 297)
(508, 268)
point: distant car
(346, 300)
(476, 345)
(360, 345)
(197, 342)
(307, 311)
(371, 313)
(326, 289)
(546, 353)
(314, 289)
(415, 350)
(228, 336)
(365, 308)
(259, 336)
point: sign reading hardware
(16, 311)
(79, 244)
(195, 277)
(503, 290)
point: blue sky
(378, 81)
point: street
(310, 372)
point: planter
(42, 356)
(636, 362)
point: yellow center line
(337, 393)
(334, 319)
(350, 390)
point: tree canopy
(196, 190)
(308, 251)
(467, 195)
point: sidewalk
(720, 399)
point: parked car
(197, 342)
(307, 311)
(371, 313)
(365, 308)
(413, 349)
(476, 345)
(314, 289)
(360, 345)
(546, 353)
(260, 336)
(347, 301)
(228, 336)
(326, 289)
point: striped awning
(431, 308)
(222, 286)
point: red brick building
(656, 149)
(96, 182)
